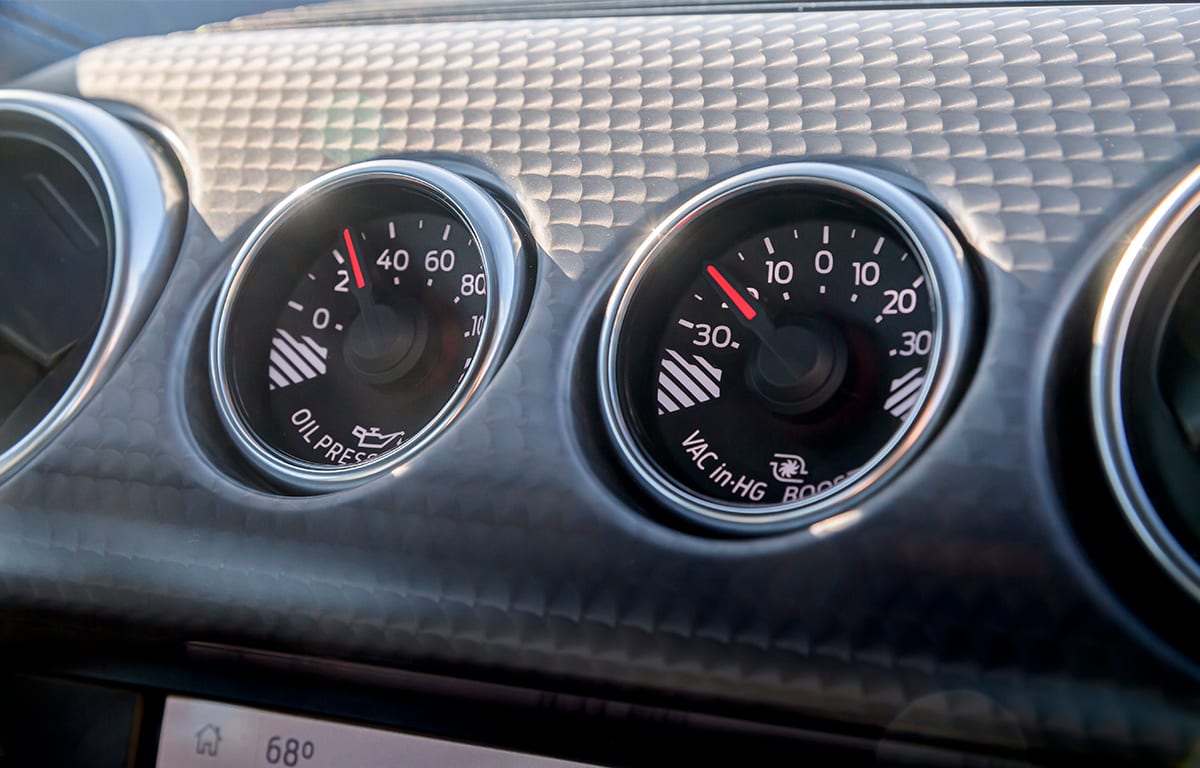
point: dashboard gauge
(359, 318)
(782, 343)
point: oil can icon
(372, 439)
(789, 468)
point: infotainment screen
(204, 734)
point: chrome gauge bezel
(1135, 268)
(500, 248)
(942, 259)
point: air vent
(1145, 383)
(88, 227)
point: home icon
(208, 740)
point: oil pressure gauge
(360, 317)
(782, 343)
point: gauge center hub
(384, 344)
(799, 367)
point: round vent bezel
(141, 203)
(1153, 249)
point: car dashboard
(980, 584)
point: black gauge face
(807, 345)
(775, 350)
(374, 337)
(355, 322)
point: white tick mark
(905, 256)
(787, 296)
(429, 281)
(311, 276)
(853, 232)
(392, 230)
(740, 256)
(853, 297)
(878, 318)
(446, 233)
(337, 327)
(795, 234)
(456, 298)
(917, 283)
(395, 281)
(891, 353)
(878, 246)
(825, 234)
(770, 246)
(686, 324)
(697, 297)
(822, 289)
(296, 306)
(420, 223)
(338, 256)
(734, 345)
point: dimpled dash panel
(507, 548)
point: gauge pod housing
(782, 344)
(360, 317)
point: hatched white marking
(905, 392)
(293, 361)
(682, 384)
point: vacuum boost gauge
(359, 318)
(781, 343)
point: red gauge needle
(358, 274)
(738, 300)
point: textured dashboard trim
(1028, 127)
